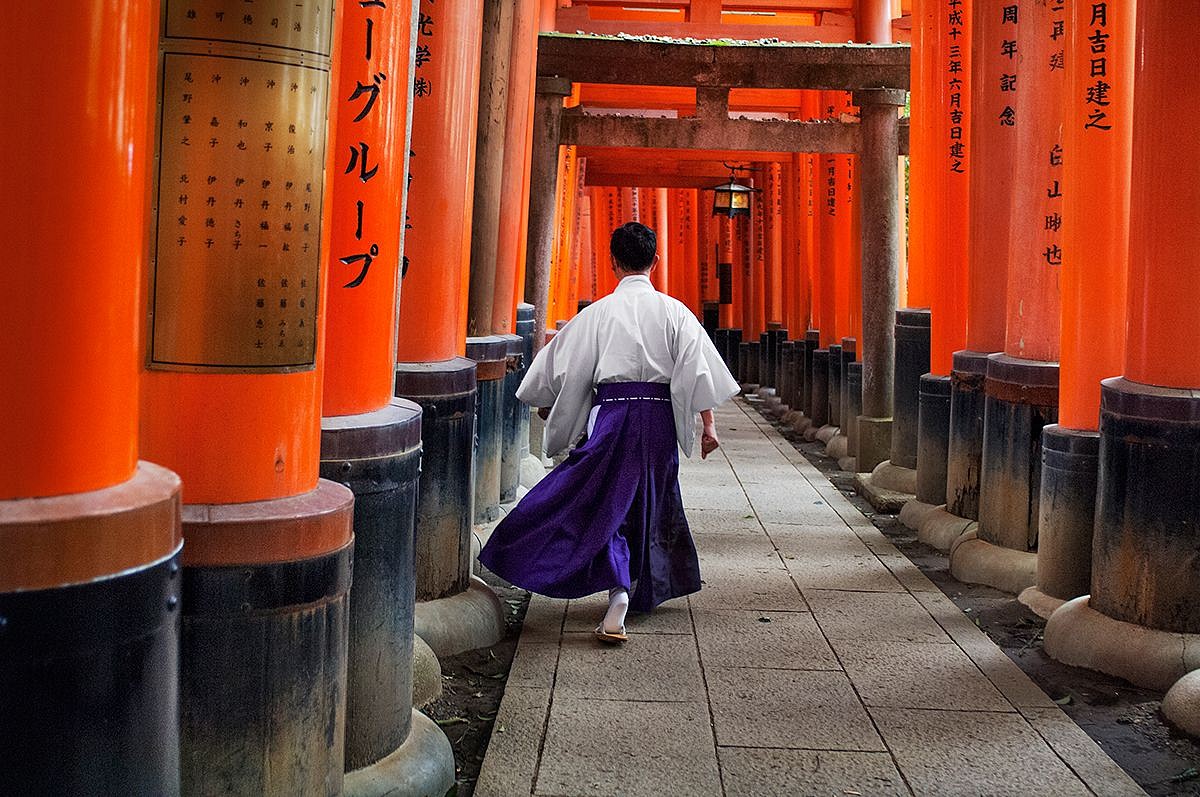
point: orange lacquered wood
(740, 233)
(236, 438)
(790, 249)
(1095, 213)
(1032, 322)
(774, 234)
(810, 108)
(661, 276)
(1163, 346)
(826, 194)
(513, 177)
(948, 264)
(854, 267)
(923, 204)
(361, 321)
(725, 254)
(994, 161)
(433, 297)
(76, 106)
(758, 256)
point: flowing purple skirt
(610, 515)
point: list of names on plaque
(236, 242)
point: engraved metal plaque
(237, 222)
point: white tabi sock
(618, 605)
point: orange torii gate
(879, 76)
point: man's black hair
(633, 246)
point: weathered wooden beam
(634, 62)
(777, 135)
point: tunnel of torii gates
(219, 405)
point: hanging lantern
(732, 198)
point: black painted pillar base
(833, 412)
(264, 650)
(912, 361)
(778, 338)
(964, 452)
(89, 661)
(1070, 469)
(1145, 556)
(445, 391)
(728, 342)
(788, 351)
(765, 376)
(513, 409)
(1021, 396)
(748, 358)
(525, 325)
(933, 439)
(710, 314)
(490, 353)
(378, 456)
(812, 342)
(818, 401)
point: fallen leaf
(451, 721)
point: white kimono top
(636, 334)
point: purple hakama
(611, 515)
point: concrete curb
(470, 620)
(1181, 706)
(1080, 636)
(421, 767)
(976, 561)
(1039, 603)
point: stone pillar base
(423, 765)
(976, 561)
(532, 471)
(874, 442)
(880, 496)
(800, 423)
(825, 433)
(837, 447)
(939, 529)
(1080, 636)
(890, 476)
(1181, 706)
(964, 448)
(914, 513)
(933, 438)
(848, 464)
(470, 620)
(1038, 602)
(427, 674)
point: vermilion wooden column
(231, 394)
(827, 194)
(89, 584)
(430, 367)
(370, 441)
(1147, 517)
(514, 177)
(1095, 224)
(994, 122)
(947, 230)
(1022, 383)
(661, 276)
(690, 273)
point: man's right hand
(708, 441)
(543, 412)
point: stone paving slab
(866, 680)
(755, 772)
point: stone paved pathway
(817, 660)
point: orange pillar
(1095, 225)
(791, 248)
(1147, 519)
(690, 274)
(362, 421)
(514, 176)
(725, 279)
(661, 276)
(945, 232)
(430, 369)
(828, 215)
(924, 155)
(677, 246)
(993, 160)
(231, 397)
(760, 285)
(90, 534)
(773, 235)
(1022, 383)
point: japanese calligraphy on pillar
(1098, 91)
(955, 88)
(1008, 77)
(235, 247)
(1056, 66)
(422, 90)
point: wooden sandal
(610, 637)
